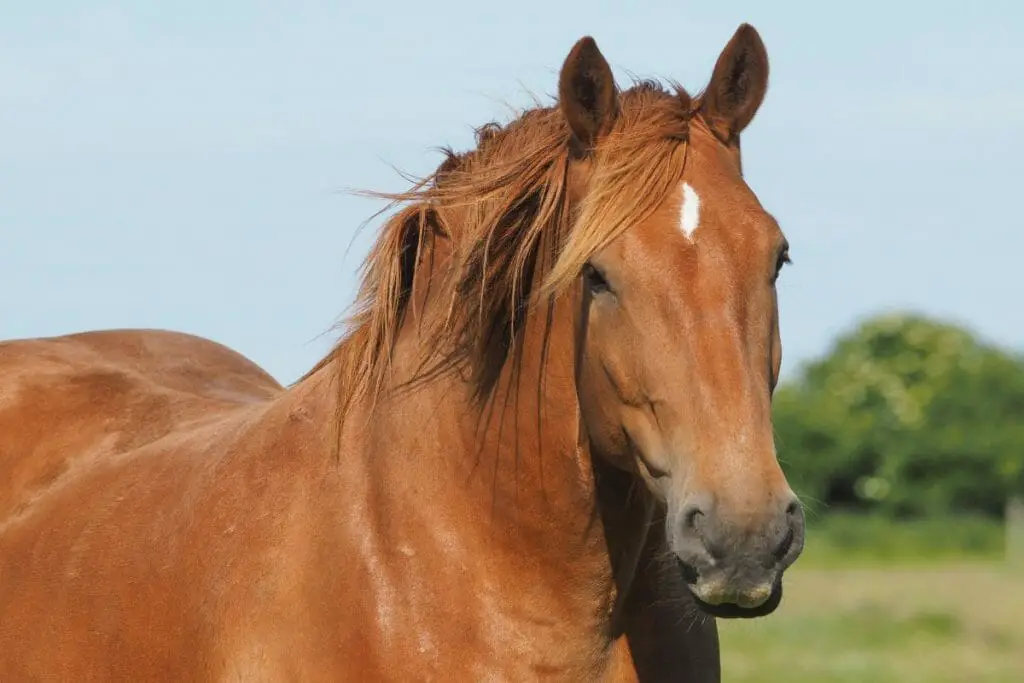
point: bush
(907, 416)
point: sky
(184, 165)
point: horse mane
(515, 230)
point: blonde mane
(514, 229)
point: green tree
(907, 415)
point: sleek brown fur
(542, 452)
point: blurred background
(182, 165)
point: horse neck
(514, 475)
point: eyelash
(783, 259)
(594, 280)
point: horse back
(66, 402)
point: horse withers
(541, 451)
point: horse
(541, 449)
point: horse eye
(782, 260)
(595, 281)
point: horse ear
(738, 84)
(587, 93)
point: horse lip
(727, 610)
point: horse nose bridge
(748, 481)
(734, 436)
(735, 464)
(730, 382)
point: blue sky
(181, 165)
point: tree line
(907, 416)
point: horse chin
(732, 611)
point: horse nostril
(692, 518)
(698, 534)
(784, 547)
(794, 526)
(702, 531)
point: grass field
(877, 602)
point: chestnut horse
(542, 451)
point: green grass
(922, 602)
(845, 539)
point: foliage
(908, 416)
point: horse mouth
(728, 610)
(733, 611)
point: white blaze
(689, 212)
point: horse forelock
(516, 239)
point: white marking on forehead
(689, 211)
